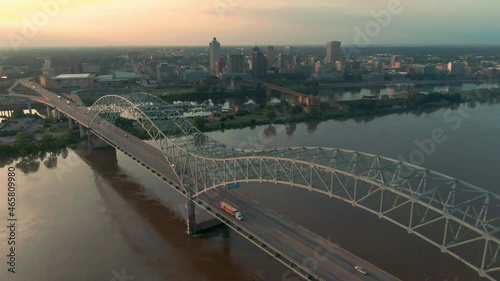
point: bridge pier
(95, 141)
(192, 226)
(48, 112)
(70, 123)
(58, 113)
(190, 217)
(29, 107)
(82, 131)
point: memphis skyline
(53, 23)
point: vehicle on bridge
(361, 270)
(232, 210)
(58, 97)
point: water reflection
(356, 93)
(28, 165)
(200, 257)
(51, 161)
(312, 126)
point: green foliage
(253, 122)
(270, 114)
(18, 113)
(297, 109)
(199, 123)
(7, 133)
(25, 143)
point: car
(361, 270)
(126, 136)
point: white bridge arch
(452, 215)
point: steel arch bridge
(457, 217)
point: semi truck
(231, 210)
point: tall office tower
(283, 61)
(220, 64)
(456, 68)
(394, 60)
(333, 52)
(259, 64)
(214, 54)
(236, 63)
(76, 68)
(270, 56)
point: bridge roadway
(285, 237)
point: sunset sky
(195, 22)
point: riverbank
(416, 82)
(365, 109)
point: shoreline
(416, 82)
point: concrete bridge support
(70, 123)
(58, 113)
(192, 226)
(95, 141)
(30, 107)
(83, 132)
(190, 217)
(49, 115)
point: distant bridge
(302, 99)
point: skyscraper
(333, 51)
(259, 64)
(270, 56)
(394, 60)
(214, 54)
(236, 63)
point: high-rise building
(164, 71)
(76, 68)
(333, 51)
(456, 68)
(270, 56)
(214, 54)
(394, 60)
(220, 64)
(283, 61)
(259, 64)
(236, 63)
(90, 68)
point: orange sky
(195, 22)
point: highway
(326, 260)
(285, 237)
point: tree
(270, 114)
(199, 123)
(18, 113)
(25, 143)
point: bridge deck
(325, 259)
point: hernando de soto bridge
(448, 213)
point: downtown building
(214, 54)
(333, 52)
(259, 64)
(270, 56)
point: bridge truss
(459, 218)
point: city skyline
(177, 23)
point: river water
(356, 93)
(94, 216)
